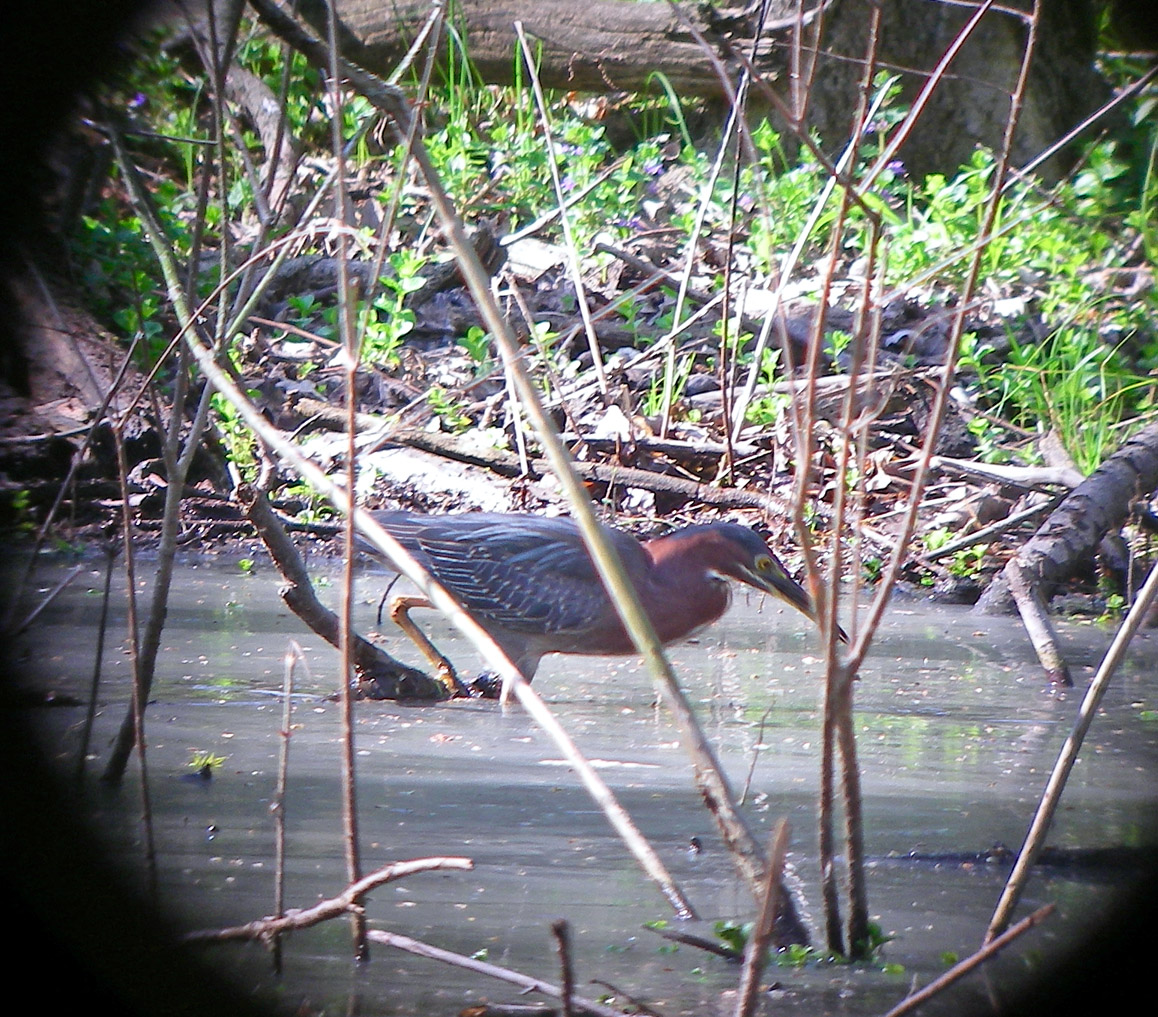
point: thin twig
(98, 663)
(333, 907)
(756, 950)
(1042, 819)
(759, 744)
(958, 971)
(48, 598)
(562, 933)
(993, 530)
(564, 218)
(345, 629)
(292, 656)
(137, 707)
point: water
(956, 739)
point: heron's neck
(683, 594)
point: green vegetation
(206, 762)
(734, 935)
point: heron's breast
(683, 609)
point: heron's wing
(524, 573)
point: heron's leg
(400, 608)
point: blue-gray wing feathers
(524, 573)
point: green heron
(528, 581)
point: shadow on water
(956, 737)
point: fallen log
(1070, 536)
(1073, 531)
(507, 464)
(606, 46)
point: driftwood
(1070, 537)
(380, 676)
(1030, 478)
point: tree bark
(610, 45)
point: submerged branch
(579, 1003)
(303, 918)
(383, 676)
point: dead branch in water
(382, 675)
(525, 982)
(958, 971)
(265, 929)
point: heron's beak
(775, 580)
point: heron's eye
(763, 563)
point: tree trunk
(611, 45)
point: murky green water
(957, 736)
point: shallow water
(956, 738)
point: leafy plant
(206, 761)
(389, 320)
(477, 343)
(238, 439)
(768, 409)
(837, 342)
(317, 508)
(1075, 384)
(653, 400)
(447, 409)
(22, 511)
(967, 562)
(1114, 609)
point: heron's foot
(488, 685)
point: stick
(525, 982)
(303, 918)
(373, 665)
(98, 657)
(1030, 605)
(756, 952)
(562, 934)
(958, 971)
(293, 654)
(1035, 838)
(49, 597)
